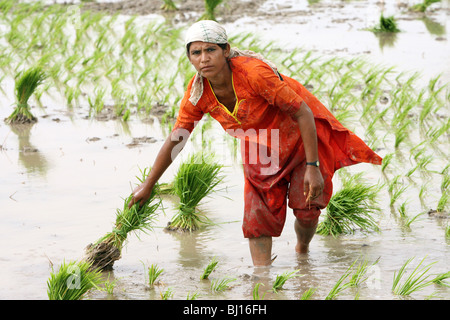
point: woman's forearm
(305, 119)
(170, 149)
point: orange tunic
(272, 148)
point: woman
(290, 128)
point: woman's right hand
(163, 160)
(141, 194)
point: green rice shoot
(222, 284)
(153, 273)
(440, 279)
(72, 281)
(210, 8)
(166, 295)
(255, 293)
(209, 269)
(195, 179)
(103, 253)
(340, 285)
(308, 294)
(352, 206)
(423, 6)
(417, 280)
(26, 84)
(169, 5)
(281, 279)
(386, 24)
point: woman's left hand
(313, 183)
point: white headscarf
(212, 32)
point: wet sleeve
(188, 114)
(274, 90)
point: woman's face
(208, 58)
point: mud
(63, 177)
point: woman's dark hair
(222, 45)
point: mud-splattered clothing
(265, 105)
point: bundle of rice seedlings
(388, 24)
(210, 7)
(195, 179)
(103, 253)
(26, 84)
(351, 207)
(169, 5)
(72, 281)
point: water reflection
(386, 39)
(433, 27)
(29, 156)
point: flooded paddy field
(109, 102)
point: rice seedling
(110, 285)
(417, 280)
(443, 202)
(96, 105)
(222, 284)
(193, 296)
(255, 292)
(388, 24)
(401, 133)
(427, 108)
(340, 286)
(396, 189)
(72, 281)
(210, 8)
(153, 273)
(281, 279)
(440, 279)
(435, 133)
(106, 250)
(387, 159)
(25, 85)
(358, 276)
(352, 206)
(209, 269)
(422, 7)
(169, 5)
(402, 210)
(423, 190)
(166, 295)
(195, 179)
(308, 294)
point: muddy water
(63, 178)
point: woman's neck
(223, 79)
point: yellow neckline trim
(236, 105)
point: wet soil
(63, 178)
